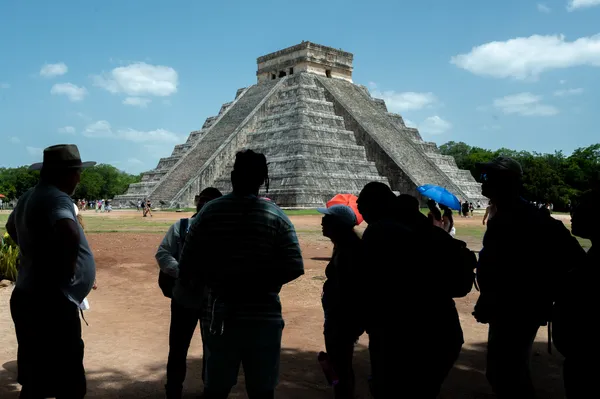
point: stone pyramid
(321, 133)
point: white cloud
(134, 161)
(568, 92)
(52, 70)
(103, 129)
(405, 101)
(99, 129)
(435, 125)
(137, 101)
(527, 57)
(4, 86)
(14, 140)
(578, 4)
(543, 8)
(524, 104)
(140, 79)
(35, 151)
(75, 93)
(67, 130)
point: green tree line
(549, 178)
(98, 182)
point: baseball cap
(342, 213)
(502, 164)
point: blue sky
(127, 80)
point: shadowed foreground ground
(127, 339)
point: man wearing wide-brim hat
(56, 272)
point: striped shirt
(242, 249)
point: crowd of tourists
(224, 268)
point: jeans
(255, 345)
(181, 332)
(50, 348)
(508, 358)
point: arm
(66, 244)
(167, 252)
(189, 269)
(289, 253)
(485, 216)
(11, 228)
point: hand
(95, 286)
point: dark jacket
(574, 320)
(343, 290)
(525, 254)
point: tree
(547, 177)
(97, 182)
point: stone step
(301, 116)
(203, 149)
(168, 162)
(288, 105)
(326, 149)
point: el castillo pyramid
(321, 133)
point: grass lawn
(472, 234)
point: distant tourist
(242, 250)
(465, 209)
(490, 211)
(342, 295)
(56, 273)
(434, 215)
(525, 254)
(184, 316)
(448, 220)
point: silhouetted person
(184, 316)
(525, 253)
(56, 272)
(578, 306)
(241, 249)
(342, 295)
(412, 347)
(437, 338)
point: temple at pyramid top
(305, 57)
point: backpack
(458, 264)
(165, 281)
(463, 273)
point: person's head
(408, 203)
(431, 204)
(250, 171)
(501, 179)
(585, 217)
(376, 201)
(208, 194)
(444, 207)
(62, 167)
(338, 221)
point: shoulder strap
(183, 230)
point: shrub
(9, 255)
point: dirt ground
(127, 337)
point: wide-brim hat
(61, 156)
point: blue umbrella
(440, 195)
